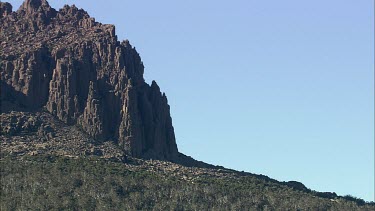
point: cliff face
(84, 76)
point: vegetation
(61, 183)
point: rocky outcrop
(5, 9)
(78, 70)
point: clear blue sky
(280, 88)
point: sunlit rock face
(78, 70)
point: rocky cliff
(75, 68)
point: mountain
(84, 76)
(75, 109)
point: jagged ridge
(84, 76)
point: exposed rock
(30, 132)
(5, 9)
(17, 123)
(84, 76)
(296, 185)
(31, 7)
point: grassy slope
(58, 183)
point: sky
(279, 88)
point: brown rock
(5, 9)
(84, 76)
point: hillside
(58, 183)
(80, 129)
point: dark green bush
(59, 183)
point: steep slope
(84, 76)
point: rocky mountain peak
(5, 9)
(30, 7)
(34, 5)
(75, 68)
(73, 12)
